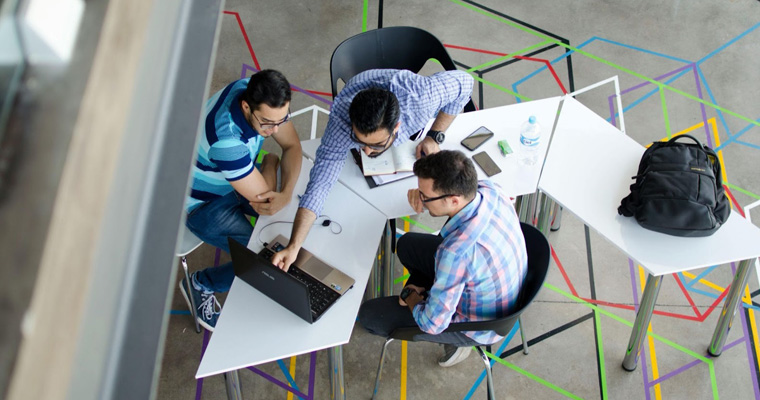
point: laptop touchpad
(317, 269)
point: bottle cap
(532, 119)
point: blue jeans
(213, 222)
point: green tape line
(417, 224)
(400, 279)
(738, 189)
(665, 112)
(600, 350)
(365, 8)
(603, 61)
(657, 337)
(501, 88)
(531, 376)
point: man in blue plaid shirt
(376, 109)
(472, 272)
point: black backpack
(678, 190)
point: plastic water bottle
(530, 137)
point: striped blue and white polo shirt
(227, 148)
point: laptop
(308, 289)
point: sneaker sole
(190, 307)
(456, 358)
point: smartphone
(485, 163)
(477, 138)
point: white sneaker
(454, 355)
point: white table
(253, 329)
(515, 180)
(588, 170)
(503, 121)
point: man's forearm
(442, 121)
(301, 226)
(291, 168)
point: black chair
(538, 265)
(397, 47)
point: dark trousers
(381, 316)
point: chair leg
(489, 376)
(522, 336)
(380, 367)
(193, 307)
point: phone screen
(475, 139)
(485, 163)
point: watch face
(405, 293)
(440, 137)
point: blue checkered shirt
(420, 99)
(479, 266)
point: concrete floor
(577, 353)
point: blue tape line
(721, 117)
(288, 376)
(729, 43)
(498, 352)
(698, 277)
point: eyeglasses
(382, 147)
(426, 199)
(269, 126)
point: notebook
(308, 289)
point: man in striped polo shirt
(227, 184)
(472, 271)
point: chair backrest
(397, 47)
(539, 256)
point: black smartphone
(485, 163)
(477, 138)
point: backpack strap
(675, 138)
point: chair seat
(188, 243)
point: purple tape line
(199, 382)
(640, 85)
(691, 364)
(247, 68)
(750, 358)
(277, 382)
(312, 373)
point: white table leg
(730, 305)
(646, 308)
(232, 382)
(335, 364)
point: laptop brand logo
(267, 275)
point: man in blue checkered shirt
(376, 109)
(472, 271)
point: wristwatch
(438, 136)
(405, 293)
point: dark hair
(267, 87)
(451, 171)
(373, 109)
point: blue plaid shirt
(480, 266)
(420, 99)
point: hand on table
(413, 195)
(427, 147)
(284, 258)
(270, 202)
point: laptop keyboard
(320, 295)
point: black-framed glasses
(269, 125)
(426, 199)
(382, 147)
